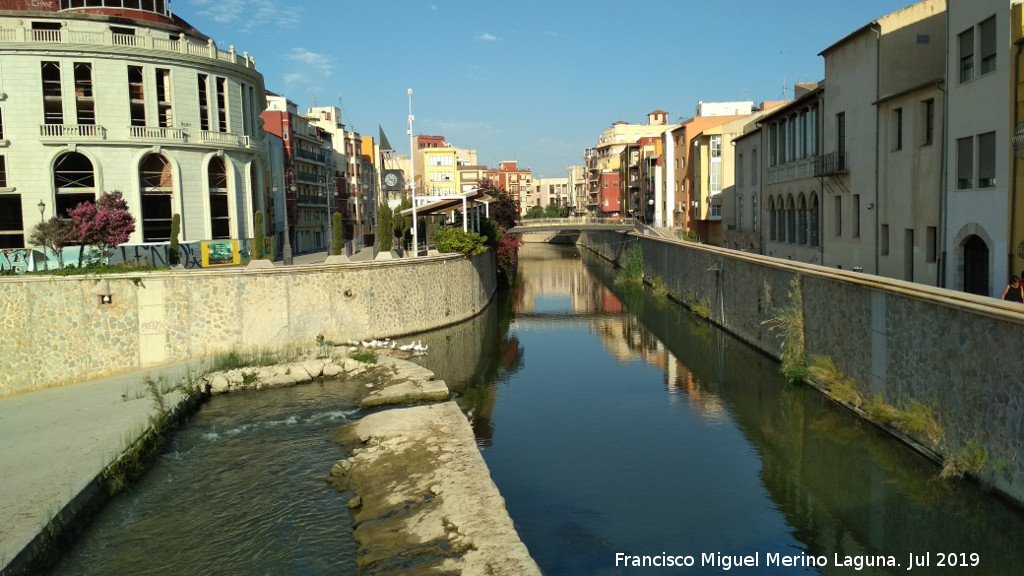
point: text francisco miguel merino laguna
(727, 562)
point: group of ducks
(416, 347)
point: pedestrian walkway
(55, 442)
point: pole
(412, 170)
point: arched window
(156, 187)
(815, 220)
(220, 213)
(74, 182)
(790, 220)
(975, 253)
(773, 224)
(801, 225)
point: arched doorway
(220, 212)
(976, 271)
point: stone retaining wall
(60, 330)
(908, 342)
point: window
(814, 220)
(931, 243)
(3, 172)
(841, 140)
(965, 163)
(987, 160)
(156, 183)
(838, 214)
(220, 216)
(753, 167)
(74, 181)
(739, 170)
(85, 107)
(715, 168)
(929, 122)
(222, 105)
(773, 150)
(165, 117)
(803, 134)
(987, 30)
(773, 224)
(966, 41)
(136, 96)
(53, 106)
(1, 124)
(12, 233)
(897, 119)
(440, 160)
(753, 209)
(883, 240)
(204, 104)
(856, 215)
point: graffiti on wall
(14, 261)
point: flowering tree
(54, 234)
(102, 225)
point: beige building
(577, 176)
(886, 57)
(147, 106)
(741, 217)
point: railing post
(182, 43)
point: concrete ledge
(425, 502)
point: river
(614, 423)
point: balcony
(831, 164)
(223, 139)
(72, 132)
(80, 34)
(157, 133)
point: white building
(108, 98)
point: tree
(505, 209)
(403, 223)
(55, 234)
(552, 211)
(534, 212)
(385, 227)
(102, 225)
(339, 233)
(175, 256)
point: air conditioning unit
(679, 206)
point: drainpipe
(878, 138)
(1013, 159)
(943, 177)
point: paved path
(54, 442)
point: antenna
(314, 97)
(784, 86)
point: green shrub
(970, 459)
(452, 239)
(258, 240)
(339, 233)
(365, 356)
(790, 323)
(173, 254)
(919, 421)
(632, 270)
(881, 411)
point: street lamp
(42, 210)
(286, 246)
(412, 169)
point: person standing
(1014, 292)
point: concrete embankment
(63, 444)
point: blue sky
(535, 81)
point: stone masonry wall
(57, 330)
(908, 342)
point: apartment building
(105, 98)
(512, 179)
(976, 239)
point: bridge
(572, 224)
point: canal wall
(60, 330)
(907, 342)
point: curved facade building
(121, 95)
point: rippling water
(242, 490)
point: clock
(393, 180)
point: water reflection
(615, 421)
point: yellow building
(440, 172)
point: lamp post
(42, 219)
(286, 246)
(412, 169)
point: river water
(613, 423)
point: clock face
(391, 179)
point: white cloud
(252, 14)
(487, 37)
(295, 78)
(318, 62)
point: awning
(445, 203)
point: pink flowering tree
(103, 225)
